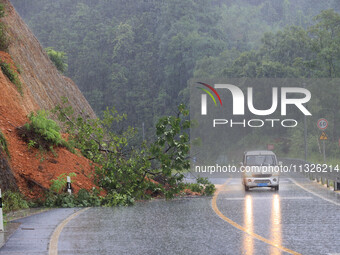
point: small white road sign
(322, 124)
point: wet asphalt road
(33, 235)
(291, 218)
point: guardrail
(325, 176)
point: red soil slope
(39, 74)
(31, 168)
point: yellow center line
(234, 224)
(53, 246)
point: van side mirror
(280, 163)
(241, 163)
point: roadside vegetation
(58, 185)
(202, 186)
(13, 201)
(126, 173)
(124, 169)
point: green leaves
(58, 58)
(60, 183)
(43, 133)
(3, 144)
(46, 129)
(10, 73)
(170, 150)
(123, 169)
(84, 198)
(4, 40)
(202, 185)
(13, 201)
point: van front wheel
(246, 188)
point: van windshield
(260, 160)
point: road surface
(302, 218)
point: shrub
(11, 74)
(84, 198)
(195, 187)
(203, 185)
(42, 132)
(60, 183)
(18, 67)
(47, 128)
(31, 144)
(153, 189)
(2, 10)
(3, 144)
(4, 42)
(203, 180)
(13, 201)
(209, 190)
(114, 199)
(58, 58)
(59, 200)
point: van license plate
(262, 184)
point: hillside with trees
(139, 56)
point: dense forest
(138, 56)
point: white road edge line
(53, 245)
(315, 194)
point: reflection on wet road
(275, 221)
(275, 225)
(261, 221)
(291, 221)
(248, 242)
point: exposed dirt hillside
(40, 76)
(31, 168)
(43, 86)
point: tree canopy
(139, 56)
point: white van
(260, 169)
